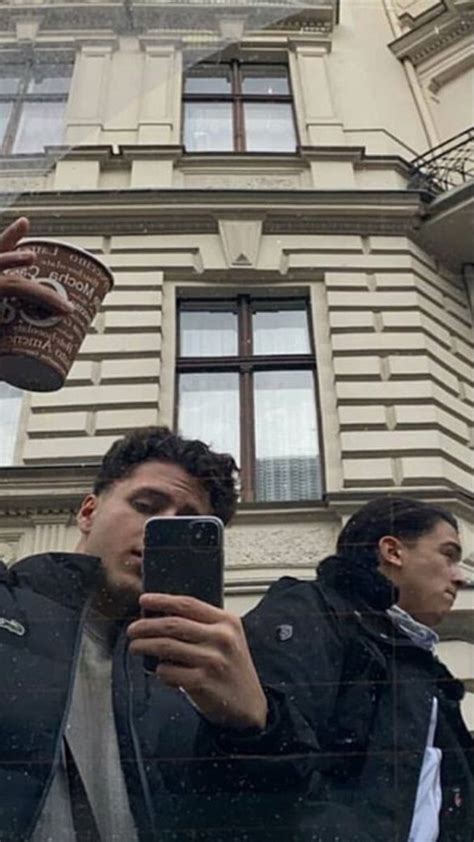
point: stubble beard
(117, 596)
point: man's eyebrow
(149, 491)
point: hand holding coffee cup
(14, 285)
(39, 343)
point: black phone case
(171, 564)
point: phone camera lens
(203, 535)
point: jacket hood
(67, 578)
(358, 581)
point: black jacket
(354, 705)
(42, 602)
(339, 760)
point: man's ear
(390, 551)
(86, 513)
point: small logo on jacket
(284, 632)
(12, 626)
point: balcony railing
(448, 165)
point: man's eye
(142, 506)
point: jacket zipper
(59, 741)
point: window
(10, 405)
(246, 385)
(32, 103)
(238, 107)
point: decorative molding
(240, 241)
(197, 18)
(435, 36)
(57, 213)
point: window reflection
(32, 106)
(209, 410)
(208, 333)
(286, 458)
(10, 407)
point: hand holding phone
(183, 556)
(194, 644)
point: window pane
(286, 439)
(269, 127)
(271, 81)
(50, 79)
(208, 80)
(280, 331)
(209, 410)
(41, 124)
(10, 405)
(208, 334)
(5, 109)
(208, 127)
(10, 82)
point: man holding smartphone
(90, 745)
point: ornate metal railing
(448, 165)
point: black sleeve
(298, 655)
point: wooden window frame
(237, 99)
(245, 363)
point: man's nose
(459, 576)
(170, 510)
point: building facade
(284, 194)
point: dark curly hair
(217, 472)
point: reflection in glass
(208, 334)
(9, 84)
(57, 80)
(10, 406)
(208, 80)
(280, 331)
(41, 124)
(5, 109)
(286, 441)
(208, 127)
(266, 80)
(209, 410)
(269, 127)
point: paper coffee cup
(38, 348)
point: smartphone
(184, 555)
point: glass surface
(286, 439)
(10, 406)
(10, 82)
(41, 124)
(265, 79)
(208, 127)
(54, 79)
(208, 80)
(269, 127)
(280, 331)
(208, 334)
(5, 108)
(209, 410)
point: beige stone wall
(397, 384)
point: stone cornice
(60, 487)
(132, 17)
(43, 489)
(58, 213)
(434, 36)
